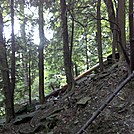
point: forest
(62, 62)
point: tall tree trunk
(41, 54)
(66, 51)
(9, 107)
(72, 41)
(23, 36)
(99, 36)
(29, 74)
(113, 26)
(121, 24)
(113, 19)
(13, 54)
(131, 27)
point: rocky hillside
(68, 112)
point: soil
(68, 112)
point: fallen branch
(55, 93)
(94, 116)
(90, 71)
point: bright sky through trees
(29, 27)
(7, 32)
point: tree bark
(114, 19)
(121, 24)
(13, 72)
(66, 51)
(29, 82)
(131, 27)
(72, 42)
(99, 36)
(41, 53)
(24, 54)
(86, 43)
(9, 107)
(113, 27)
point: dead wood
(55, 93)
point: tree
(41, 54)
(121, 31)
(99, 35)
(29, 74)
(13, 72)
(79, 45)
(121, 24)
(26, 56)
(24, 44)
(9, 107)
(113, 25)
(118, 31)
(131, 27)
(66, 50)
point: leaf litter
(62, 115)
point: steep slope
(66, 115)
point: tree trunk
(99, 36)
(66, 51)
(29, 74)
(13, 55)
(24, 55)
(86, 42)
(72, 41)
(9, 107)
(131, 27)
(113, 19)
(113, 26)
(121, 24)
(76, 69)
(41, 54)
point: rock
(22, 109)
(81, 80)
(83, 101)
(25, 108)
(76, 122)
(2, 122)
(37, 107)
(23, 118)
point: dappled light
(66, 67)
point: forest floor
(66, 115)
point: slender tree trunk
(72, 32)
(76, 69)
(30, 97)
(121, 24)
(131, 27)
(13, 55)
(25, 55)
(99, 36)
(66, 51)
(87, 58)
(41, 54)
(71, 46)
(9, 107)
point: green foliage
(84, 13)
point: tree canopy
(46, 44)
